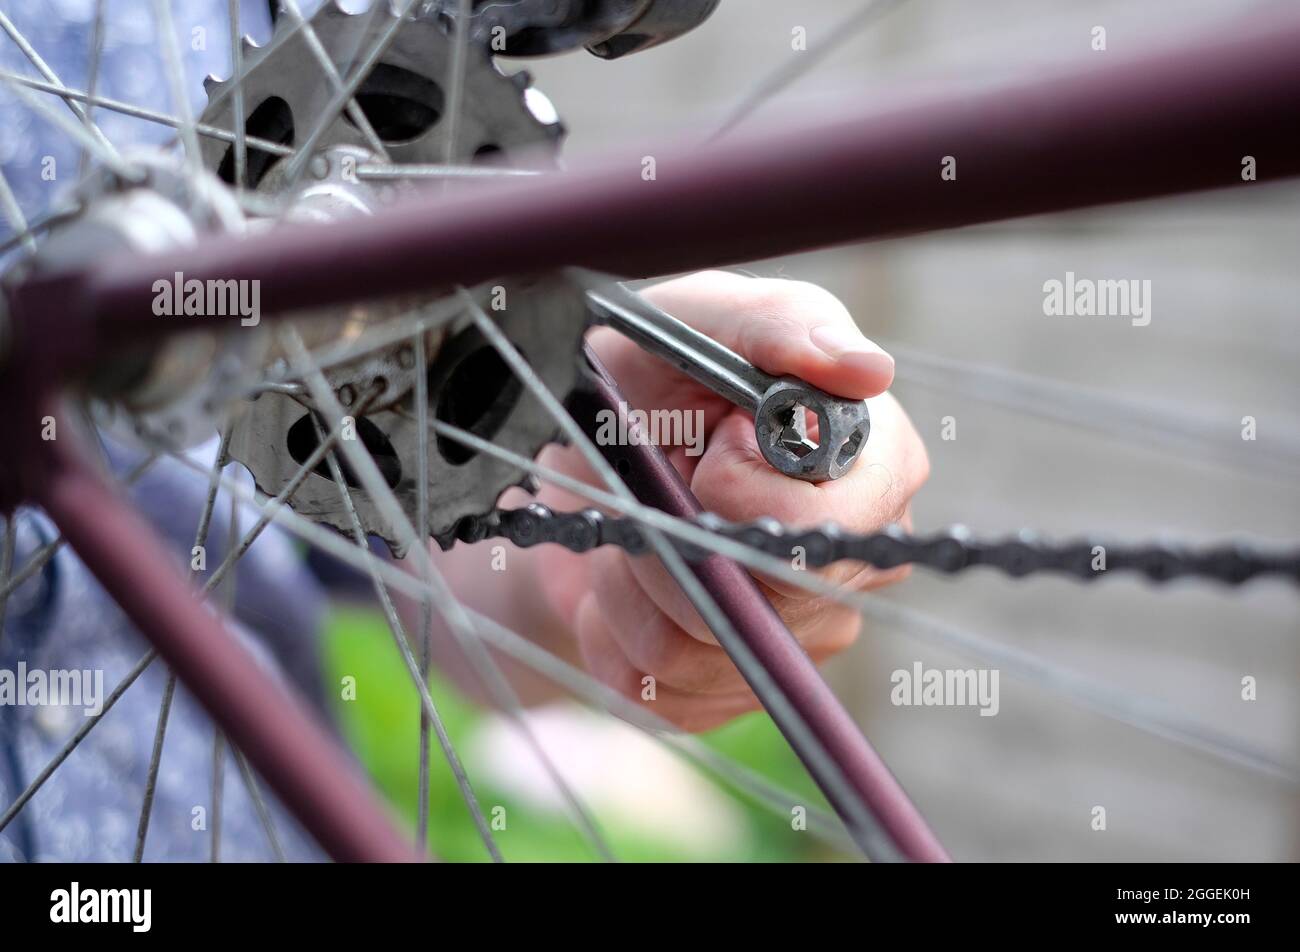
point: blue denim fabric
(61, 619)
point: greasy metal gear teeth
(403, 100)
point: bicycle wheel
(404, 420)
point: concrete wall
(1222, 344)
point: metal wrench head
(780, 426)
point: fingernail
(846, 345)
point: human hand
(626, 615)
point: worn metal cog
(502, 122)
(470, 387)
(285, 90)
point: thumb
(782, 327)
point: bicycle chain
(951, 551)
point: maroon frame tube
(654, 480)
(262, 717)
(1120, 130)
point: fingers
(783, 327)
(604, 654)
(733, 480)
(661, 633)
(648, 622)
(606, 661)
(635, 628)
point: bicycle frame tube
(262, 717)
(1121, 130)
(650, 474)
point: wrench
(777, 403)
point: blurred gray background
(1222, 344)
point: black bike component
(951, 551)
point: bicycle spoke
(71, 744)
(92, 73)
(330, 113)
(247, 541)
(237, 69)
(83, 416)
(141, 112)
(172, 64)
(738, 777)
(37, 562)
(1133, 421)
(14, 213)
(1142, 714)
(218, 792)
(228, 602)
(375, 170)
(214, 580)
(456, 79)
(509, 641)
(797, 66)
(468, 627)
(165, 705)
(313, 460)
(259, 805)
(7, 565)
(155, 761)
(436, 314)
(448, 606)
(46, 552)
(104, 152)
(218, 736)
(428, 709)
(421, 397)
(237, 78)
(214, 484)
(354, 110)
(44, 69)
(232, 527)
(38, 226)
(863, 824)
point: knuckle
(827, 649)
(801, 293)
(766, 334)
(680, 660)
(803, 612)
(695, 717)
(655, 651)
(798, 302)
(896, 574)
(846, 635)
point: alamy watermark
(179, 297)
(1084, 297)
(625, 427)
(133, 907)
(58, 687)
(946, 687)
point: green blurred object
(382, 727)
